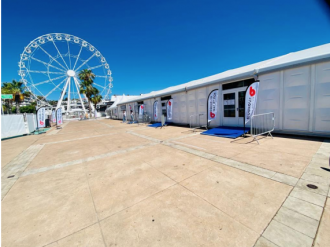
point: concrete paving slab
(289, 164)
(285, 236)
(263, 242)
(318, 171)
(44, 208)
(321, 188)
(180, 166)
(217, 146)
(164, 133)
(13, 170)
(297, 221)
(80, 149)
(175, 217)
(248, 198)
(298, 146)
(118, 183)
(307, 196)
(90, 236)
(11, 148)
(323, 236)
(283, 178)
(308, 209)
(315, 178)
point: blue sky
(151, 45)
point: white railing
(199, 121)
(262, 124)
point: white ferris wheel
(50, 65)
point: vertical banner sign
(251, 100)
(169, 109)
(156, 110)
(212, 105)
(130, 108)
(41, 117)
(141, 109)
(53, 116)
(59, 119)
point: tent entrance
(233, 107)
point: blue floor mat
(155, 125)
(228, 132)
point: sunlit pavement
(107, 183)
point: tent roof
(120, 98)
(317, 53)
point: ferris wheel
(49, 68)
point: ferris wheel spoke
(54, 59)
(50, 92)
(47, 64)
(50, 80)
(60, 54)
(101, 76)
(45, 72)
(102, 91)
(77, 57)
(69, 53)
(86, 61)
(98, 85)
(95, 67)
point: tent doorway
(233, 107)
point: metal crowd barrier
(144, 119)
(262, 124)
(199, 122)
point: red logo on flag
(141, 106)
(59, 121)
(212, 115)
(169, 103)
(41, 122)
(252, 91)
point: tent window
(237, 84)
(166, 98)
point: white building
(296, 87)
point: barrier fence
(262, 124)
(198, 119)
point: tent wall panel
(296, 98)
(176, 108)
(192, 109)
(183, 108)
(269, 95)
(322, 98)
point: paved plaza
(106, 183)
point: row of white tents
(296, 87)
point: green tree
(17, 89)
(96, 99)
(87, 77)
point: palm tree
(17, 89)
(96, 99)
(87, 77)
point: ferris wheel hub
(71, 73)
